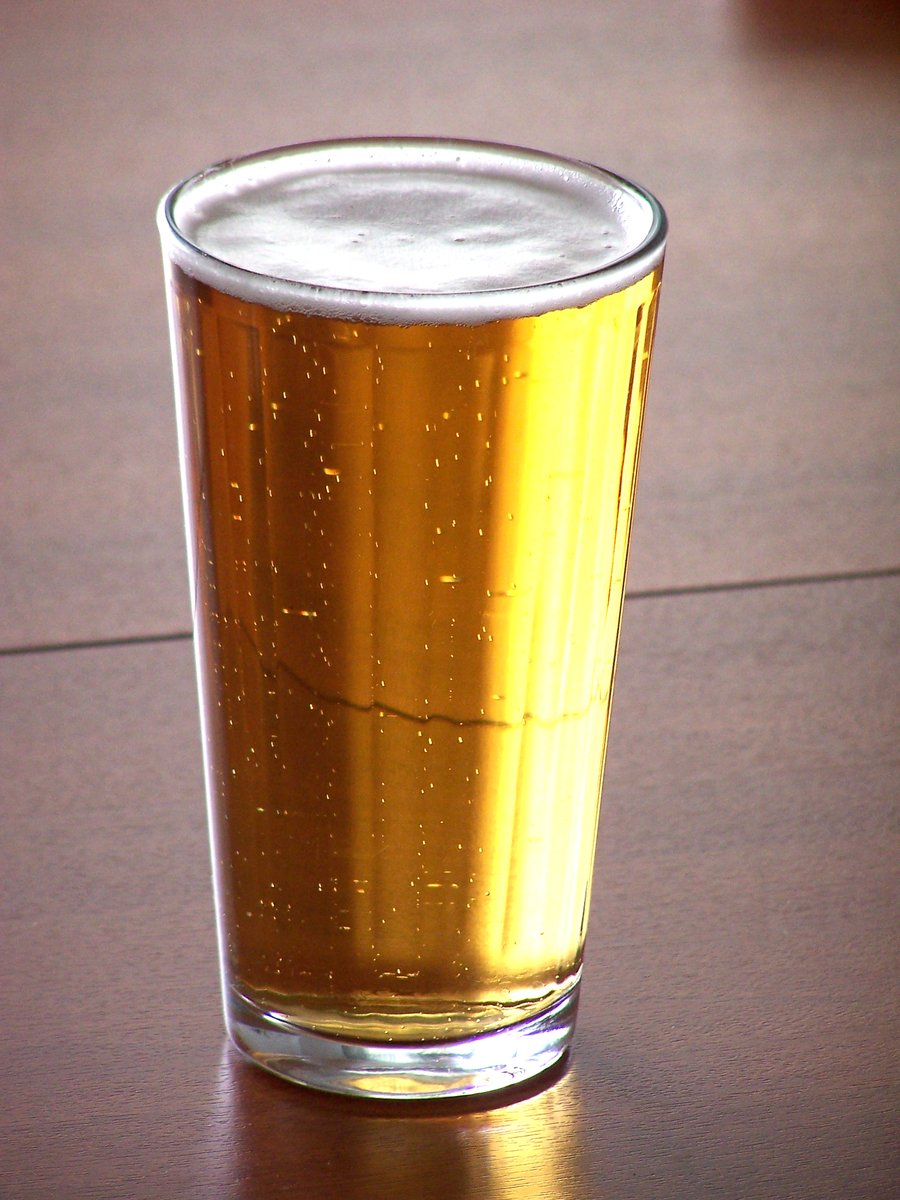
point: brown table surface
(738, 1035)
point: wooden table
(739, 1028)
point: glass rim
(472, 306)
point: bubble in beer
(409, 505)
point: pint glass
(410, 378)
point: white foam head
(412, 231)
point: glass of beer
(410, 381)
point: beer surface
(409, 550)
(394, 230)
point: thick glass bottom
(485, 1062)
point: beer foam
(412, 231)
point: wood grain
(739, 1025)
(738, 1036)
(771, 440)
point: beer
(408, 537)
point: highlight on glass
(410, 378)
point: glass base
(485, 1062)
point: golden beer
(408, 544)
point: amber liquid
(408, 554)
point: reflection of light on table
(265, 1138)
